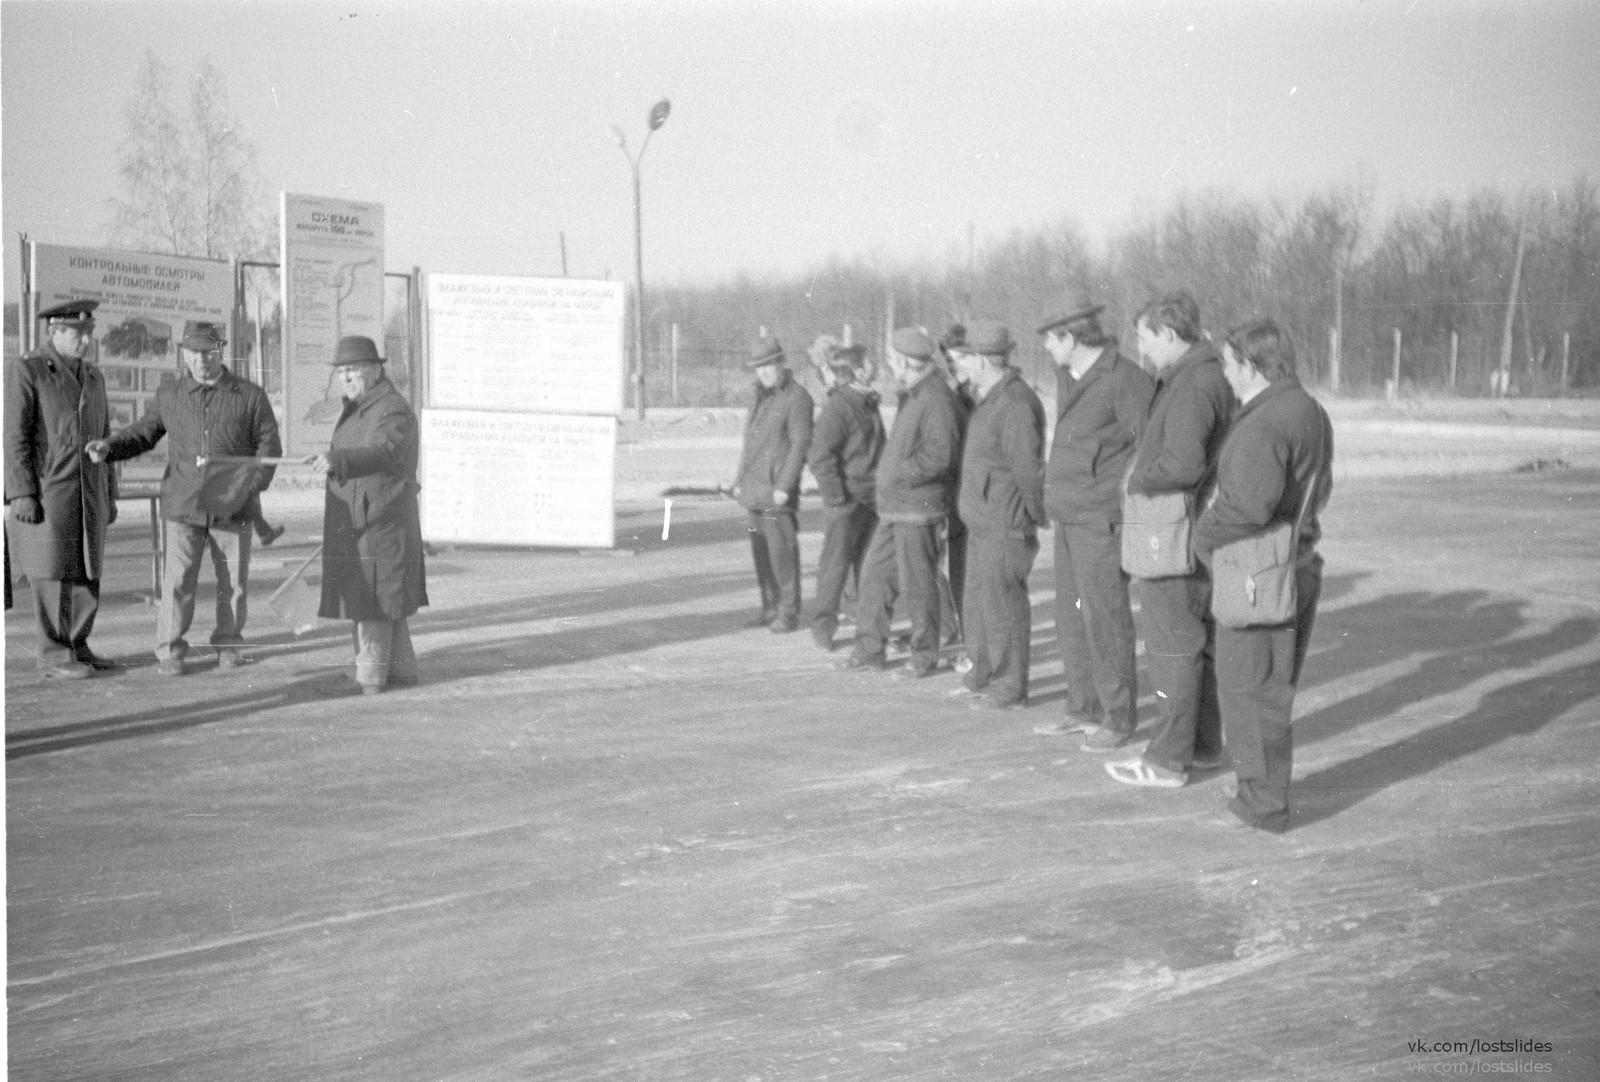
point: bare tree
(189, 186)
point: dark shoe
(913, 670)
(272, 534)
(405, 681)
(1104, 738)
(232, 659)
(1273, 824)
(1068, 725)
(98, 663)
(782, 625)
(822, 635)
(863, 663)
(67, 670)
(171, 666)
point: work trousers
(384, 654)
(1180, 645)
(229, 548)
(956, 559)
(998, 616)
(775, 546)
(1094, 626)
(902, 564)
(1258, 670)
(64, 615)
(846, 532)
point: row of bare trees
(1432, 270)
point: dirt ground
(616, 835)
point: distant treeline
(1428, 270)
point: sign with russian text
(332, 270)
(146, 302)
(545, 345)
(518, 478)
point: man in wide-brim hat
(777, 436)
(1002, 503)
(58, 501)
(372, 558)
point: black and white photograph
(795, 540)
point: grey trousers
(383, 653)
(187, 546)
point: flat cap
(198, 334)
(71, 312)
(1073, 314)
(913, 342)
(764, 351)
(989, 337)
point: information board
(146, 303)
(518, 478)
(552, 345)
(332, 269)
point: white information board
(502, 478)
(549, 345)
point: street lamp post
(657, 117)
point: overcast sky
(800, 129)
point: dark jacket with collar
(231, 417)
(372, 560)
(1099, 417)
(777, 435)
(846, 444)
(1279, 447)
(50, 414)
(922, 459)
(1002, 467)
(1188, 422)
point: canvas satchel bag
(1156, 533)
(1253, 579)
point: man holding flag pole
(222, 445)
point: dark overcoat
(49, 415)
(846, 443)
(372, 565)
(777, 436)
(922, 459)
(1002, 465)
(1099, 417)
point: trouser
(384, 654)
(902, 563)
(846, 532)
(1258, 670)
(956, 557)
(64, 615)
(1180, 643)
(998, 617)
(229, 547)
(775, 545)
(1094, 625)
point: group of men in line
(1230, 431)
(222, 446)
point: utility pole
(1511, 311)
(657, 117)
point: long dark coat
(372, 565)
(777, 436)
(49, 416)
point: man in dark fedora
(58, 501)
(372, 560)
(208, 416)
(777, 436)
(1102, 402)
(1002, 505)
(846, 444)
